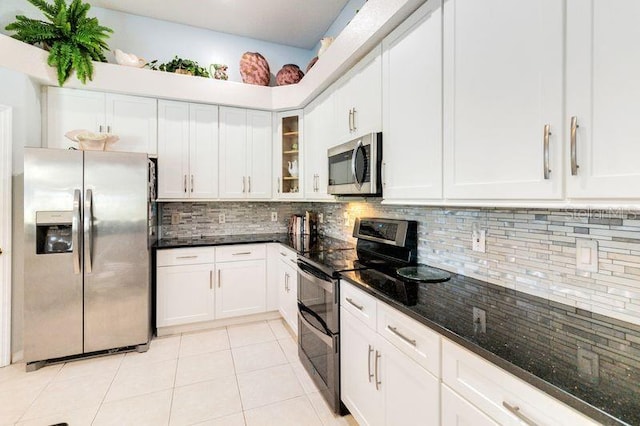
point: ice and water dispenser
(53, 232)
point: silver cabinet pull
(395, 331)
(574, 142)
(100, 127)
(378, 382)
(249, 180)
(286, 282)
(515, 410)
(547, 133)
(75, 231)
(210, 280)
(295, 262)
(350, 120)
(241, 253)
(278, 186)
(88, 230)
(185, 184)
(192, 184)
(351, 302)
(108, 129)
(354, 119)
(244, 183)
(369, 363)
(186, 257)
(219, 278)
(283, 254)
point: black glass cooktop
(398, 289)
(332, 262)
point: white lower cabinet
(288, 288)
(184, 285)
(241, 280)
(504, 398)
(457, 411)
(381, 384)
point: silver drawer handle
(574, 142)
(283, 254)
(186, 257)
(515, 410)
(294, 261)
(378, 356)
(395, 331)
(359, 307)
(545, 168)
(241, 253)
(369, 363)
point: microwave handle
(353, 164)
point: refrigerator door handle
(75, 234)
(88, 229)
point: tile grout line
(39, 393)
(175, 376)
(235, 371)
(108, 388)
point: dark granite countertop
(299, 244)
(537, 340)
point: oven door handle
(320, 335)
(302, 309)
(326, 285)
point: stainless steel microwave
(354, 167)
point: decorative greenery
(180, 66)
(72, 39)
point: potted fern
(72, 39)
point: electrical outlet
(479, 320)
(175, 218)
(274, 216)
(587, 255)
(479, 240)
(221, 218)
(320, 218)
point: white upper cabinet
(245, 153)
(412, 107)
(603, 99)
(503, 84)
(359, 99)
(187, 150)
(132, 118)
(319, 136)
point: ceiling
(298, 23)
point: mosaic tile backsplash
(533, 251)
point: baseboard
(206, 325)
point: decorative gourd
(324, 45)
(254, 69)
(312, 62)
(289, 74)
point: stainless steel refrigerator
(86, 261)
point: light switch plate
(221, 218)
(587, 255)
(479, 240)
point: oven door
(318, 292)
(353, 166)
(319, 354)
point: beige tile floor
(238, 375)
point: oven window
(320, 302)
(317, 352)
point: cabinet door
(233, 152)
(457, 411)
(71, 109)
(287, 294)
(184, 294)
(603, 93)
(357, 371)
(411, 394)
(412, 107)
(241, 288)
(290, 144)
(359, 99)
(203, 151)
(319, 135)
(503, 80)
(259, 147)
(173, 149)
(135, 121)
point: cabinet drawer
(237, 252)
(502, 396)
(412, 338)
(358, 303)
(185, 256)
(287, 255)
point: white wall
(20, 93)
(162, 40)
(343, 19)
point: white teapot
(293, 168)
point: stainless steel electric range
(384, 246)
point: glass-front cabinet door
(288, 156)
